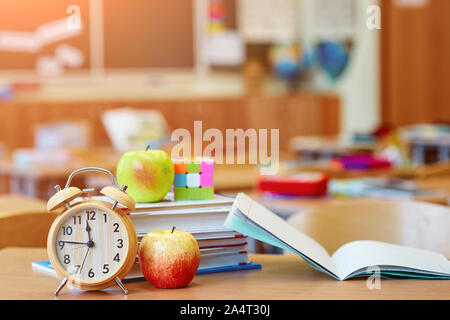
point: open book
(351, 260)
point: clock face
(91, 244)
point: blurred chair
(415, 224)
(24, 222)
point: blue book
(136, 275)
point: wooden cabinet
(303, 114)
(415, 62)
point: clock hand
(84, 260)
(61, 243)
(73, 242)
(90, 243)
(88, 229)
(78, 247)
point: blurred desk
(281, 277)
(431, 177)
(435, 170)
(235, 177)
(38, 181)
(306, 113)
(24, 221)
(409, 223)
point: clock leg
(61, 285)
(121, 286)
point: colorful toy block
(207, 166)
(193, 167)
(206, 192)
(180, 166)
(181, 193)
(206, 180)
(180, 180)
(193, 179)
(193, 193)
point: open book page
(358, 255)
(238, 221)
(281, 231)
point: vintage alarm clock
(92, 244)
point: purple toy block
(207, 166)
(206, 180)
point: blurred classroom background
(362, 111)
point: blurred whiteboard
(113, 34)
(411, 3)
(262, 21)
(334, 19)
(31, 31)
(225, 49)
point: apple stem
(148, 147)
(173, 229)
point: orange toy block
(180, 167)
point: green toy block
(206, 193)
(193, 167)
(193, 193)
(181, 193)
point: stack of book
(221, 248)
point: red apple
(169, 258)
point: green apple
(148, 174)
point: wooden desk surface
(282, 277)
